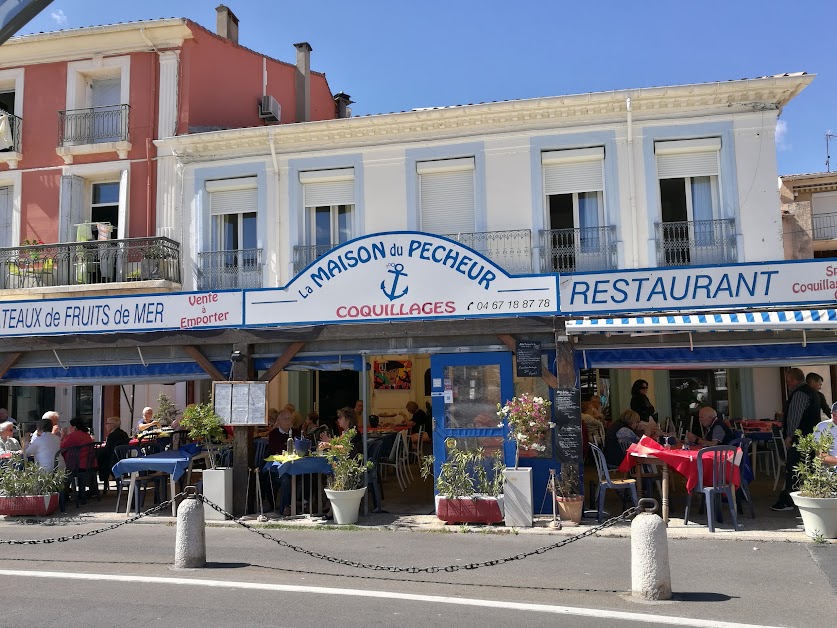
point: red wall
(39, 205)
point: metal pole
(363, 388)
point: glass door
(465, 390)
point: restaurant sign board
(761, 284)
(399, 276)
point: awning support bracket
(55, 353)
(804, 338)
(691, 342)
(142, 359)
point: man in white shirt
(44, 446)
(829, 426)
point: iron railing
(825, 226)
(511, 250)
(93, 125)
(575, 250)
(695, 242)
(237, 269)
(84, 263)
(15, 129)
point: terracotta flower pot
(29, 505)
(570, 508)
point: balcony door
(106, 120)
(328, 213)
(234, 259)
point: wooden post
(8, 363)
(546, 374)
(242, 436)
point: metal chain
(81, 535)
(414, 570)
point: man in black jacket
(803, 413)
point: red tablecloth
(682, 461)
(760, 426)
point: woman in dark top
(639, 400)
(116, 436)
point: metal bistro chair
(373, 454)
(394, 460)
(722, 459)
(158, 479)
(80, 461)
(781, 450)
(605, 482)
(746, 473)
(260, 448)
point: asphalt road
(250, 580)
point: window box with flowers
(529, 421)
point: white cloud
(59, 17)
(781, 134)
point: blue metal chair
(722, 460)
(145, 477)
(605, 482)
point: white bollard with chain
(190, 539)
(650, 573)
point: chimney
(226, 23)
(343, 101)
(303, 81)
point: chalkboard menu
(240, 403)
(568, 424)
(528, 358)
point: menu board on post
(528, 358)
(240, 403)
(568, 425)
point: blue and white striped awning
(779, 320)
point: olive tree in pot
(27, 489)
(570, 503)
(817, 494)
(469, 486)
(347, 483)
(206, 426)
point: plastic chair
(781, 450)
(722, 458)
(394, 460)
(143, 479)
(746, 472)
(80, 461)
(260, 447)
(605, 482)
(373, 454)
(417, 451)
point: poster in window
(393, 375)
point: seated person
(312, 422)
(45, 446)
(620, 434)
(115, 436)
(78, 434)
(147, 421)
(829, 426)
(346, 419)
(263, 430)
(594, 425)
(717, 432)
(421, 420)
(277, 443)
(7, 441)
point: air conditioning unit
(269, 109)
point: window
(11, 103)
(94, 195)
(105, 100)
(576, 237)
(7, 216)
(446, 196)
(104, 210)
(689, 201)
(329, 205)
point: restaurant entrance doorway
(335, 390)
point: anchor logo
(398, 271)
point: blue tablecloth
(300, 466)
(174, 463)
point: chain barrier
(81, 535)
(415, 570)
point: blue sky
(392, 55)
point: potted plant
(167, 411)
(469, 486)
(347, 483)
(27, 489)
(155, 258)
(817, 494)
(529, 420)
(570, 503)
(207, 427)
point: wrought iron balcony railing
(15, 129)
(577, 250)
(93, 125)
(218, 270)
(695, 242)
(85, 263)
(511, 250)
(825, 226)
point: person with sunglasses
(639, 400)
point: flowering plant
(529, 420)
(33, 242)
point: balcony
(239, 269)
(12, 154)
(696, 242)
(93, 130)
(578, 250)
(512, 250)
(90, 263)
(825, 226)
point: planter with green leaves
(28, 490)
(469, 485)
(167, 411)
(204, 426)
(156, 259)
(817, 481)
(570, 503)
(347, 483)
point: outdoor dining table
(684, 461)
(174, 463)
(281, 464)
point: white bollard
(650, 573)
(190, 539)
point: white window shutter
(71, 207)
(122, 215)
(234, 201)
(447, 202)
(573, 171)
(6, 217)
(687, 158)
(329, 193)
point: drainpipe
(634, 228)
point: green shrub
(28, 478)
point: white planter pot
(217, 487)
(819, 515)
(518, 497)
(345, 505)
